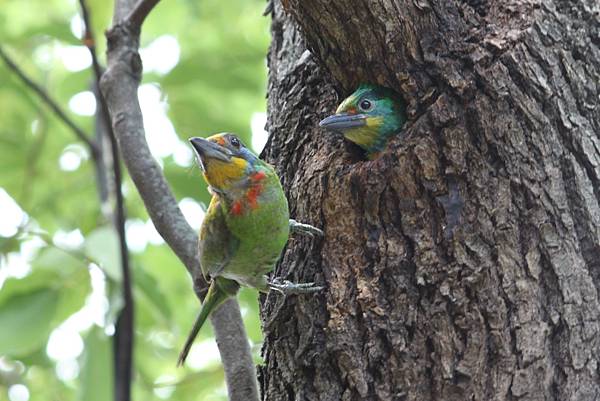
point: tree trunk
(464, 263)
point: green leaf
(148, 286)
(26, 321)
(62, 263)
(36, 281)
(96, 375)
(67, 274)
(102, 246)
(73, 294)
(39, 302)
(114, 293)
(9, 244)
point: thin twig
(102, 112)
(90, 42)
(141, 10)
(124, 333)
(102, 119)
(49, 101)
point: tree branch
(141, 10)
(124, 333)
(119, 86)
(45, 97)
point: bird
(369, 117)
(245, 228)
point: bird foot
(304, 229)
(286, 287)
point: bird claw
(305, 229)
(286, 287)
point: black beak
(206, 150)
(342, 121)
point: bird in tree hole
(369, 117)
(245, 228)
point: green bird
(369, 117)
(245, 228)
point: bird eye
(235, 142)
(365, 105)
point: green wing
(217, 245)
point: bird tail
(216, 296)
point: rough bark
(464, 263)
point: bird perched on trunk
(369, 117)
(245, 228)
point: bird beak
(206, 150)
(342, 121)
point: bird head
(369, 117)
(224, 160)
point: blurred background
(204, 72)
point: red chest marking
(251, 198)
(257, 177)
(237, 208)
(255, 189)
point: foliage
(59, 274)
